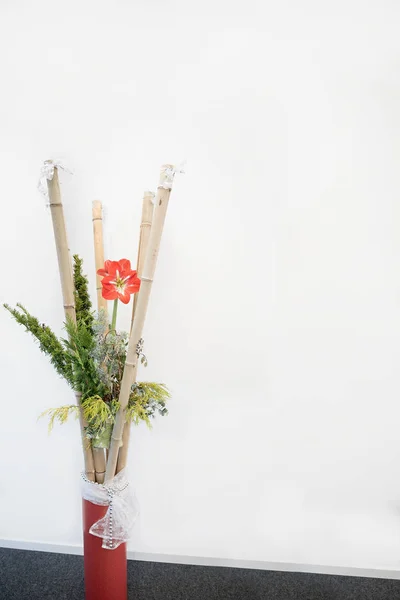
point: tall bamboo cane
(67, 287)
(97, 218)
(160, 209)
(99, 455)
(145, 226)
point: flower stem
(114, 315)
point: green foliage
(83, 304)
(92, 361)
(79, 347)
(109, 354)
(99, 416)
(60, 414)
(49, 344)
(146, 400)
(98, 413)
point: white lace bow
(116, 526)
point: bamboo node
(143, 278)
(130, 364)
(69, 305)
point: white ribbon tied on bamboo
(47, 174)
(170, 173)
(116, 526)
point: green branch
(49, 344)
(83, 304)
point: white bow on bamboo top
(47, 174)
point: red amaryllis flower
(119, 281)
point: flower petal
(124, 296)
(125, 267)
(112, 267)
(134, 287)
(109, 292)
(105, 271)
(133, 277)
(134, 281)
(109, 280)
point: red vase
(105, 570)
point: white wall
(275, 312)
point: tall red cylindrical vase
(105, 570)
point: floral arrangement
(97, 360)
(92, 357)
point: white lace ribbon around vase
(116, 526)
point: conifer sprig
(146, 400)
(60, 414)
(83, 304)
(79, 347)
(49, 344)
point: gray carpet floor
(26, 575)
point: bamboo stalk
(145, 227)
(160, 209)
(67, 287)
(60, 238)
(97, 218)
(86, 444)
(99, 455)
(99, 459)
